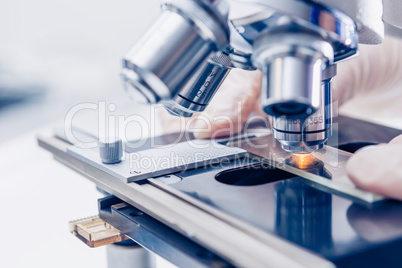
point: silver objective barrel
(292, 64)
(304, 135)
(175, 48)
(294, 90)
(198, 92)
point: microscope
(277, 198)
(187, 53)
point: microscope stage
(265, 199)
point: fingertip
(396, 140)
(378, 169)
(353, 170)
(362, 168)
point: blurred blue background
(54, 55)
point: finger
(230, 108)
(378, 169)
(396, 140)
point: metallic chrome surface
(241, 60)
(157, 61)
(198, 92)
(334, 162)
(163, 160)
(295, 212)
(268, 147)
(242, 50)
(329, 72)
(329, 22)
(210, 18)
(123, 256)
(292, 64)
(306, 134)
(223, 236)
(110, 150)
(156, 237)
(174, 49)
(293, 42)
(302, 142)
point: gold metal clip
(95, 232)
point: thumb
(378, 169)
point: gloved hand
(375, 75)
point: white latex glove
(376, 72)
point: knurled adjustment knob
(110, 150)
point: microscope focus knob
(110, 150)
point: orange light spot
(303, 161)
